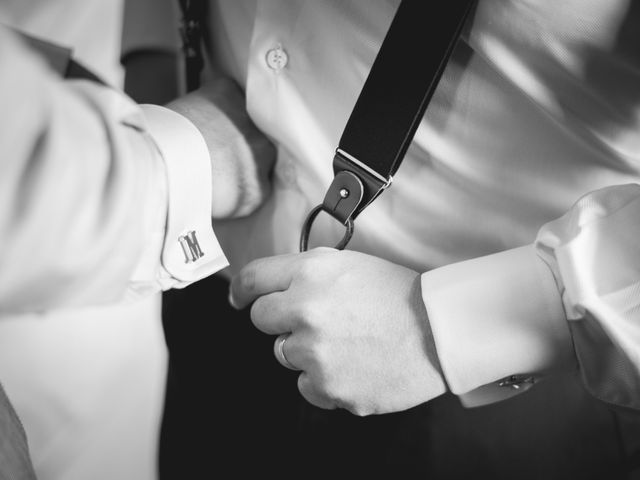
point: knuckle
(352, 405)
(322, 250)
(306, 389)
(324, 357)
(312, 357)
(327, 382)
(318, 356)
(306, 314)
(320, 263)
(307, 269)
(313, 393)
(341, 394)
(315, 261)
(359, 410)
(303, 384)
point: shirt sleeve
(96, 202)
(503, 322)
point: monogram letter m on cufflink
(190, 247)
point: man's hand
(241, 156)
(359, 329)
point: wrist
(241, 157)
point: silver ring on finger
(279, 352)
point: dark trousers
(225, 388)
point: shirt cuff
(498, 324)
(191, 250)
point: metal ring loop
(306, 230)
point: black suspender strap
(191, 30)
(390, 107)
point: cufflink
(517, 382)
(190, 247)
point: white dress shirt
(92, 209)
(538, 107)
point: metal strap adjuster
(342, 198)
(354, 186)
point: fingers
(268, 275)
(286, 347)
(311, 395)
(280, 309)
(288, 354)
(278, 351)
(261, 277)
(272, 314)
(292, 350)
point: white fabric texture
(88, 383)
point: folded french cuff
(496, 319)
(191, 250)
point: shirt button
(277, 58)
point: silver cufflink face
(517, 381)
(190, 247)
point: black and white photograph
(319, 239)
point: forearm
(83, 191)
(242, 157)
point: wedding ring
(279, 352)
